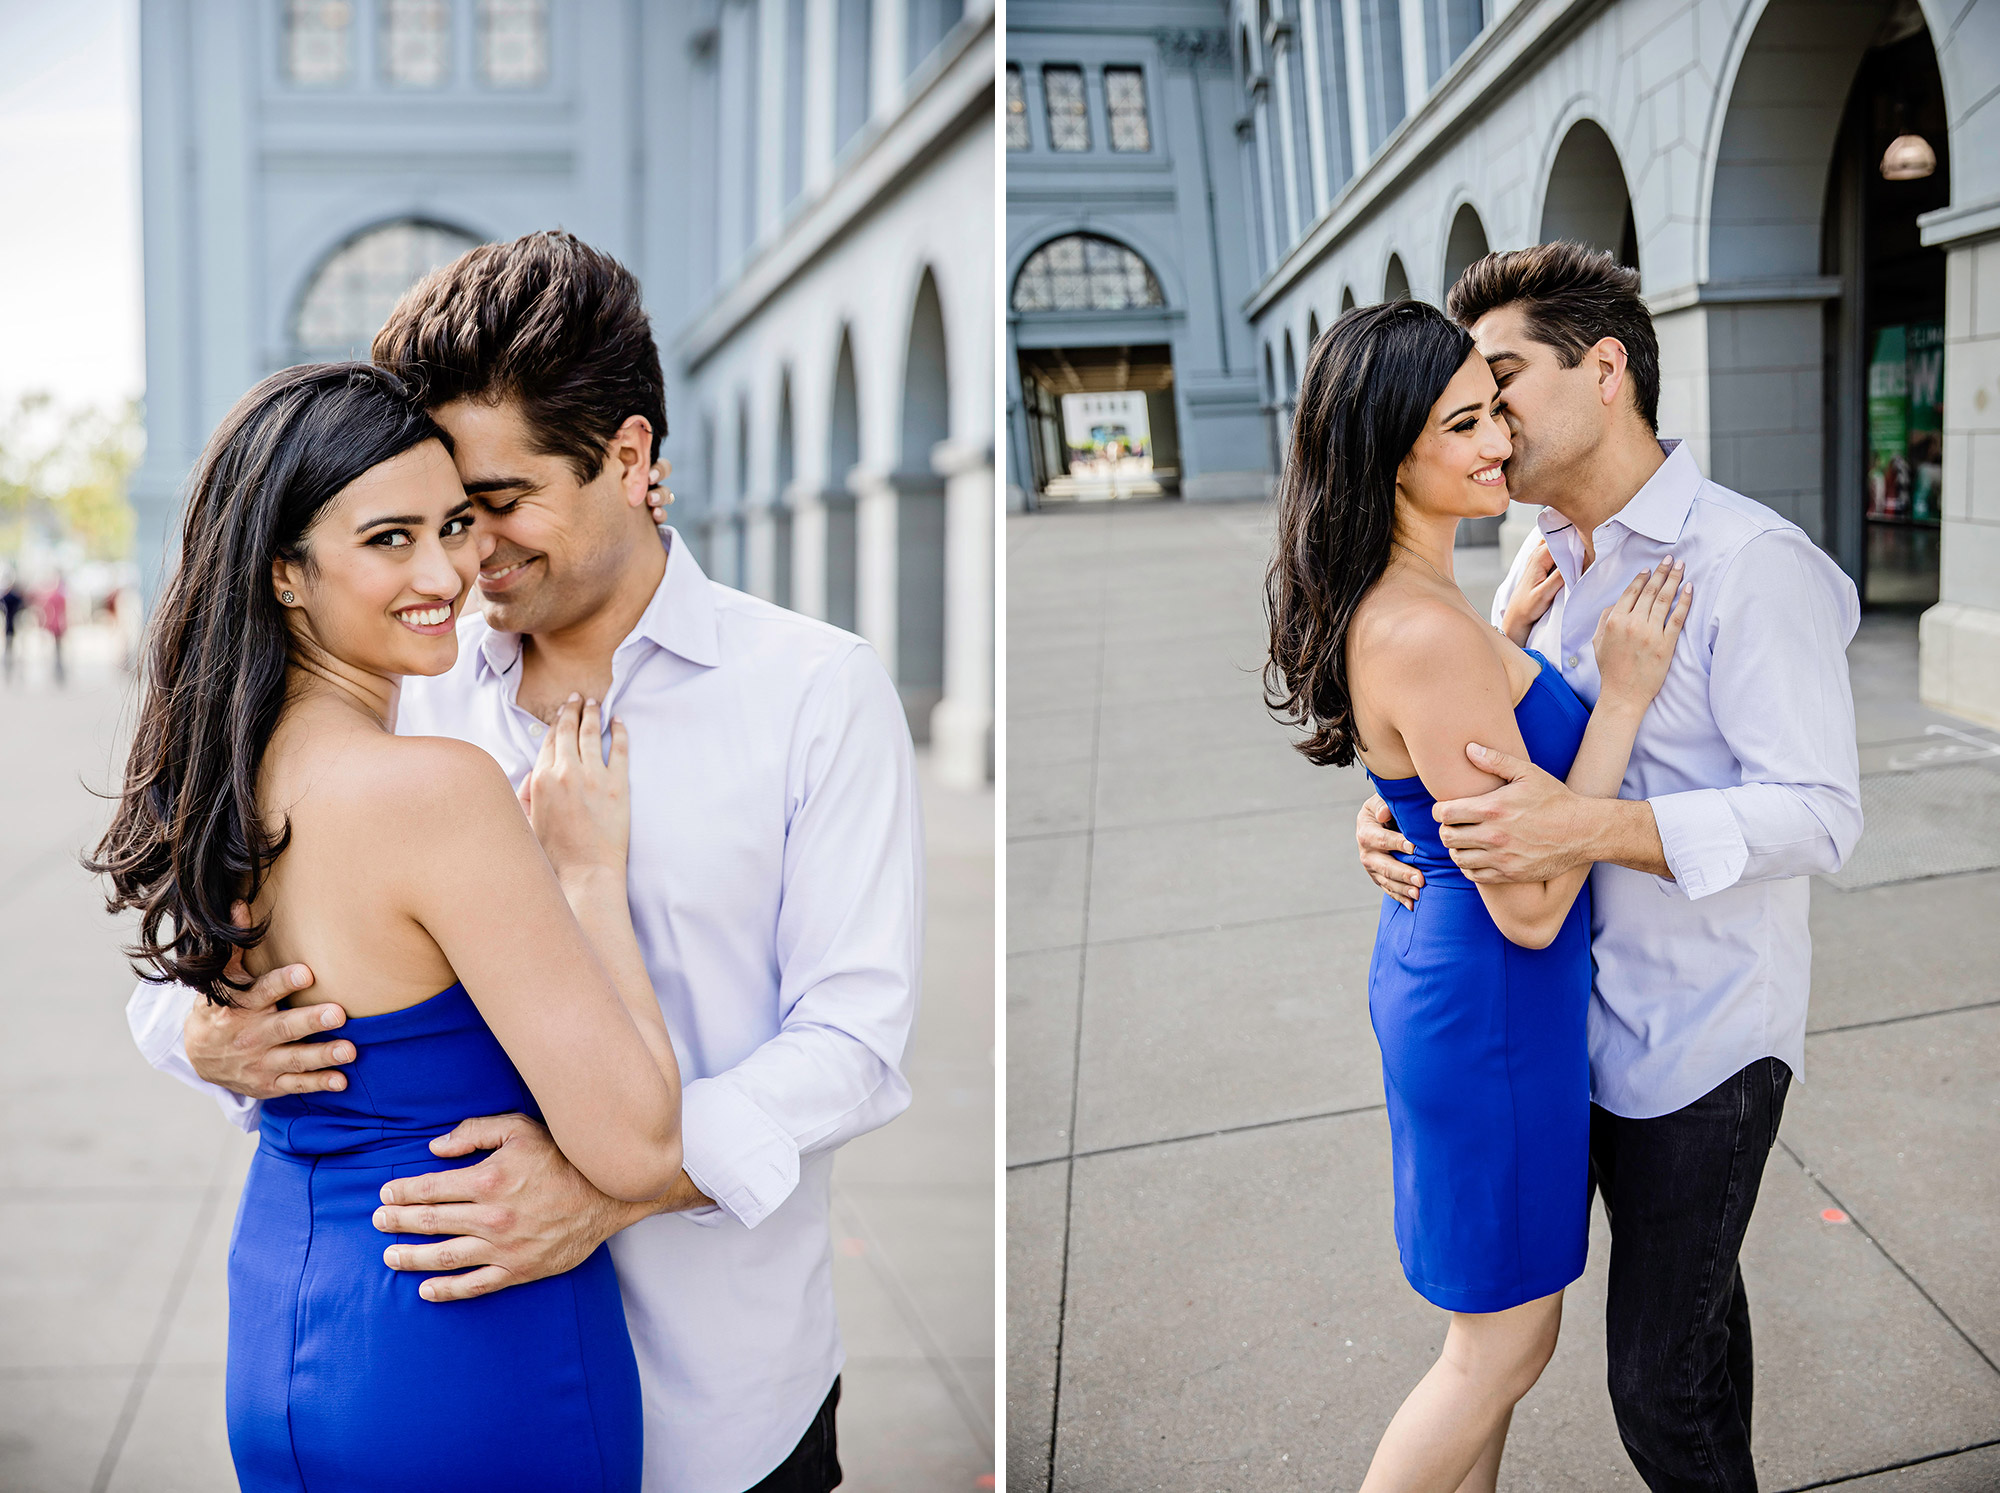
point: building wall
(771, 170)
(1723, 116)
(1174, 205)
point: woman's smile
(431, 620)
(1493, 476)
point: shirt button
(536, 728)
(1573, 660)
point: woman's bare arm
(1453, 686)
(472, 874)
(580, 807)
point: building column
(1359, 142)
(1278, 47)
(1260, 144)
(1416, 69)
(887, 63)
(760, 547)
(809, 534)
(875, 560)
(821, 86)
(773, 104)
(1958, 648)
(962, 723)
(1314, 45)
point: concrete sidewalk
(118, 1186)
(1203, 1291)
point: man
(1743, 783)
(775, 875)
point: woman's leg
(1455, 1420)
(1485, 1474)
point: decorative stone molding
(1181, 47)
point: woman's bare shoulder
(1402, 626)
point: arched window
(355, 288)
(1085, 273)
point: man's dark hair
(1572, 296)
(545, 320)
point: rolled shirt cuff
(1701, 840)
(735, 1153)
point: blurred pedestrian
(54, 610)
(11, 602)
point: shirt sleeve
(849, 946)
(1498, 615)
(157, 1013)
(1778, 687)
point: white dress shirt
(776, 884)
(1748, 758)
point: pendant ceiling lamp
(1908, 158)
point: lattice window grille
(1125, 104)
(1085, 273)
(1017, 111)
(359, 284)
(319, 41)
(514, 42)
(1069, 116)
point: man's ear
(1608, 357)
(631, 458)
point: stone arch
(351, 288)
(1395, 280)
(1585, 198)
(1464, 244)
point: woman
(1478, 996)
(272, 816)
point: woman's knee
(1505, 1352)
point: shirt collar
(680, 618)
(1659, 509)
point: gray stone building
(1810, 190)
(804, 188)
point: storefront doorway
(1886, 330)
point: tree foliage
(63, 474)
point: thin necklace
(1425, 563)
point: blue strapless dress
(1485, 1063)
(341, 1377)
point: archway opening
(1100, 413)
(920, 514)
(1312, 332)
(355, 287)
(843, 454)
(1587, 201)
(1347, 298)
(1465, 244)
(1395, 280)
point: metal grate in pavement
(1934, 821)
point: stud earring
(286, 597)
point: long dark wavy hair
(1369, 385)
(187, 840)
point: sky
(70, 303)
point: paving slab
(1209, 873)
(55, 1425)
(1042, 1002)
(1902, 1124)
(1052, 799)
(1904, 949)
(1037, 1197)
(1046, 739)
(1976, 1471)
(1259, 778)
(1045, 886)
(178, 1441)
(1226, 1027)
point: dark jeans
(814, 1465)
(1678, 1190)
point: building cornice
(1501, 59)
(1954, 224)
(957, 91)
(1744, 293)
